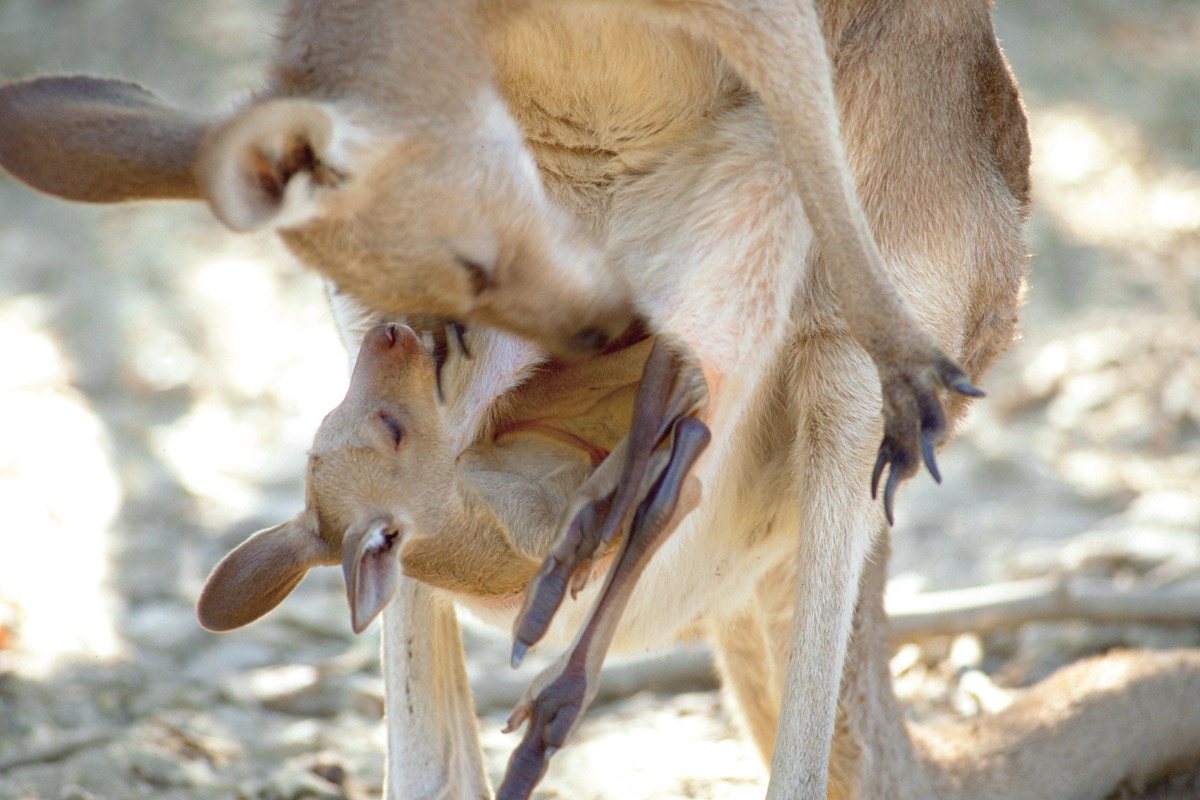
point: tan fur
(341, 160)
(1068, 737)
(476, 522)
(408, 185)
(786, 187)
(1126, 716)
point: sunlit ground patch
(59, 495)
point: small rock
(329, 769)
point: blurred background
(160, 379)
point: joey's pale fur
(385, 478)
(821, 200)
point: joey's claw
(581, 576)
(519, 649)
(545, 594)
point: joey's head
(412, 210)
(379, 468)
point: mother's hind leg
(713, 242)
(836, 400)
(871, 754)
(750, 665)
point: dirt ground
(160, 379)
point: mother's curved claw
(914, 422)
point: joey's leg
(433, 741)
(778, 48)
(672, 389)
(558, 697)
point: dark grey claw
(460, 331)
(927, 456)
(889, 494)
(881, 461)
(519, 650)
(440, 352)
(913, 410)
(965, 387)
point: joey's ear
(371, 564)
(268, 165)
(98, 140)
(255, 576)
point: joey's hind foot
(552, 706)
(672, 389)
(914, 422)
(557, 698)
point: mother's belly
(596, 87)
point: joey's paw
(914, 422)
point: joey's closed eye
(478, 275)
(394, 428)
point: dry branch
(63, 746)
(979, 609)
(1006, 605)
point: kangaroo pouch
(517, 480)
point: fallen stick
(1004, 605)
(684, 669)
(61, 747)
(979, 609)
